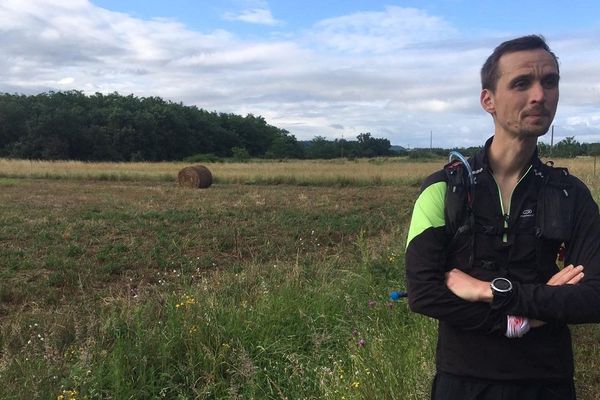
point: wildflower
(372, 303)
(361, 343)
(354, 333)
(355, 384)
(389, 304)
(186, 301)
(67, 395)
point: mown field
(272, 284)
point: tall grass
(385, 171)
(121, 290)
(142, 290)
(340, 172)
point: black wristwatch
(501, 287)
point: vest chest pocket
(556, 205)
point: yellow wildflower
(186, 301)
(67, 395)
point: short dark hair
(489, 71)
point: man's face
(526, 95)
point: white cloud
(398, 73)
(260, 16)
(66, 81)
(382, 31)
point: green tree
(372, 147)
(114, 127)
(285, 146)
(240, 154)
(322, 148)
(568, 147)
(593, 149)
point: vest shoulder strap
(458, 199)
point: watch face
(502, 284)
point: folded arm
(426, 267)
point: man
(502, 303)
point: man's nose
(537, 93)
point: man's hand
(569, 275)
(468, 288)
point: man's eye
(550, 83)
(521, 84)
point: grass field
(271, 284)
(360, 172)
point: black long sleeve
(426, 267)
(570, 304)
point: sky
(407, 71)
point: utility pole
(342, 146)
(551, 139)
(431, 140)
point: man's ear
(487, 101)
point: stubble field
(272, 284)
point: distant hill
(398, 149)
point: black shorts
(452, 387)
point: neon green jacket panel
(428, 211)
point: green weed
(119, 289)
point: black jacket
(471, 339)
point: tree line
(74, 126)
(566, 148)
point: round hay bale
(195, 176)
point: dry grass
(82, 170)
(379, 171)
(585, 168)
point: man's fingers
(557, 278)
(576, 279)
(536, 323)
(568, 275)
